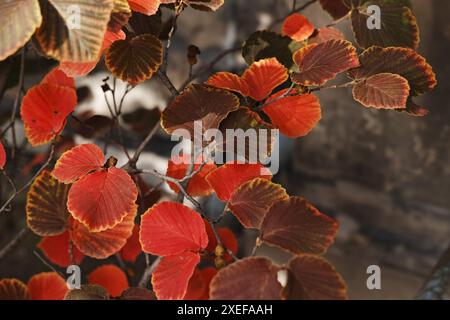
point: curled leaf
(297, 27)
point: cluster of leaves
(86, 206)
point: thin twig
(148, 272)
(13, 242)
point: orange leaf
(251, 201)
(101, 200)
(319, 63)
(56, 249)
(296, 226)
(101, 245)
(47, 286)
(297, 27)
(227, 178)
(253, 278)
(229, 81)
(296, 115)
(147, 7)
(198, 186)
(57, 77)
(44, 110)
(132, 248)
(13, 289)
(171, 277)
(263, 77)
(110, 277)
(170, 228)
(78, 162)
(313, 278)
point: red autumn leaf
(228, 240)
(132, 248)
(325, 34)
(44, 110)
(313, 278)
(170, 228)
(2, 156)
(101, 245)
(227, 178)
(198, 287)
(102, 199)
(382, 91)
(57, 77)
(110, 277)
(319, 63)
(253, 278)
(74, 69)
(229, 81)
(147, 7)
(251, 201)
(13, 289)
(296, 226)
(198, 186)
(171, 277)
(295, 115)
(297, 27)
(57, 248)
(263, 77)
(78, 162)
(47, 286)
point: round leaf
(110, 277)
(13, 289)
(47, 286)
(57, 250)
(297, 27)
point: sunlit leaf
(110, 277)
(251, 201)
(88, 292)
(252, 278)
(295, 115)
(18, 21)
(57, 77)
(319, 63)
(296, 226)
(147, 7)
(75, 40)
(47, 286)
(382, 91)
(297, 27)
(13, 289)
(313, 278)
(57, 250)
(171, 277)
(135, 60)
(120, 15)
(46, 205)
(398, 26)
(44, 111)
(402, 61)
(132, 248)
(199, 103)
(78, 162)
(229, 81)
(198, 287)
(101, 245)
(325, 34)
(227, 178)
(170, 228)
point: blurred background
(384, 175)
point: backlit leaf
(313, 278)
(199, 103)
(44, 111)
(59, 35)
(319, 63)
(402, 61)
(198, 287)
(171, 277)
(2, 156)
(382, 91)
(102, 199)
(229, 81)
(110, 277)
(252, 278)
(46, 205)
(297, 27)
(57, 250)
(132, 248)
(78, 162)
(294, 115)
(251, 201)
(88, 292)
(47, 286)
(13, 289)
(135, 60)
(147, 7)
(298, 227)
(170, 228)
(14, 34)
(336, 8)
(58, 77)
(227, 178)
(101, 245)
(398, 26)
(120, 15)
(325, 34)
